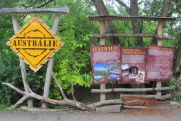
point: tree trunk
(177, 70)
(102, 11)
(165, 9)
(100, 7)
(136, 25)
(164, 13)
(177, 57)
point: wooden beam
(129, 90)
(102, 31)
(136, 107)
(159, 43)
(138, 95)
(163, 97)
(22, 64)
(50, 64)
(159, 33)
(131, 35)
(102, 42)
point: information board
(159, 63)
(133, 65)
(106, 64)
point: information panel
(106, 64)
(133, 65)
(159, 63)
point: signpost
(35, 43)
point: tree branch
(124, 5)
(60, 87)
(20, 101)
(72, 88)
(66, 102)
(14, 88)
(45, 3)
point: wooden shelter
(159, 35)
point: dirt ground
(169, 113)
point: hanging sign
(105, 62)
(159, 63)
(133, 65)
(35, 43)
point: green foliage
(3, 107)
(175, 86)
(152, 8)
(73, 61)
(174, 83)
(8, 62)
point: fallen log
(65, 102)
(164, 97)
(106, 102)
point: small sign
(159, 63)
(35, 43)
(106, 64)
(133, 65)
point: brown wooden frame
(159, 37)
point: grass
(4, 107)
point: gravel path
(174, 115)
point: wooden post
(50, 64)
(22, 64)
(102, 42)
(159, 43)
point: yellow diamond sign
(35, 43)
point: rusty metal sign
(35, 43)
(133, 65)
(159, 63)
(105, 62)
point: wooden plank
(50, 64)
(129, 90)
(138, 95)
(163, 97)
(22, 65)
(136, 107)
(131, 35)
(102, 42)
(138, 101)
